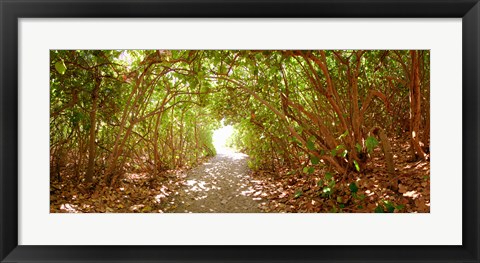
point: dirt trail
(220, 185)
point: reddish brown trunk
(415, 107)
(91, 143)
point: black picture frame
(11, 11)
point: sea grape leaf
(328, 176)
(371, 143)
(311, 145)
(358, 147)
(353, 187)
(389, 206)
(341, 146)
(60, 67)
(357, 167)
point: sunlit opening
(220, 137)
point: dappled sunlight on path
(220, 185)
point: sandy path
(221, 185)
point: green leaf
(343, 135)
(358, 147)
(310, 145)
(314, 160)
(328, 176)
(371, 143)
(298, 193)
(331, 184)
(357, 167)
(60, 67)
(320, 182)
(379, 209)
(344, 154)
(305, 170)
(400, 207)
(389, 206)
(310, 170)
(147, 209)
(353, 187)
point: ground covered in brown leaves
(364, 192)
(224, 184)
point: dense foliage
(301, 111)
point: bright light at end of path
(220, 137)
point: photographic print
(239, 131)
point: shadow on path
(221, 185)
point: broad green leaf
(379, 209)
(389, 206)
(60, 67)
(328, 176)
(331, 184)
(357, 167)
(353, 187)
(358, 147)
(305, 170)
(314, 160)
(310, 170)
(339, 199)
(311, 145)
(371, 143)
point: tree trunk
(93, 123)
(415, 107)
